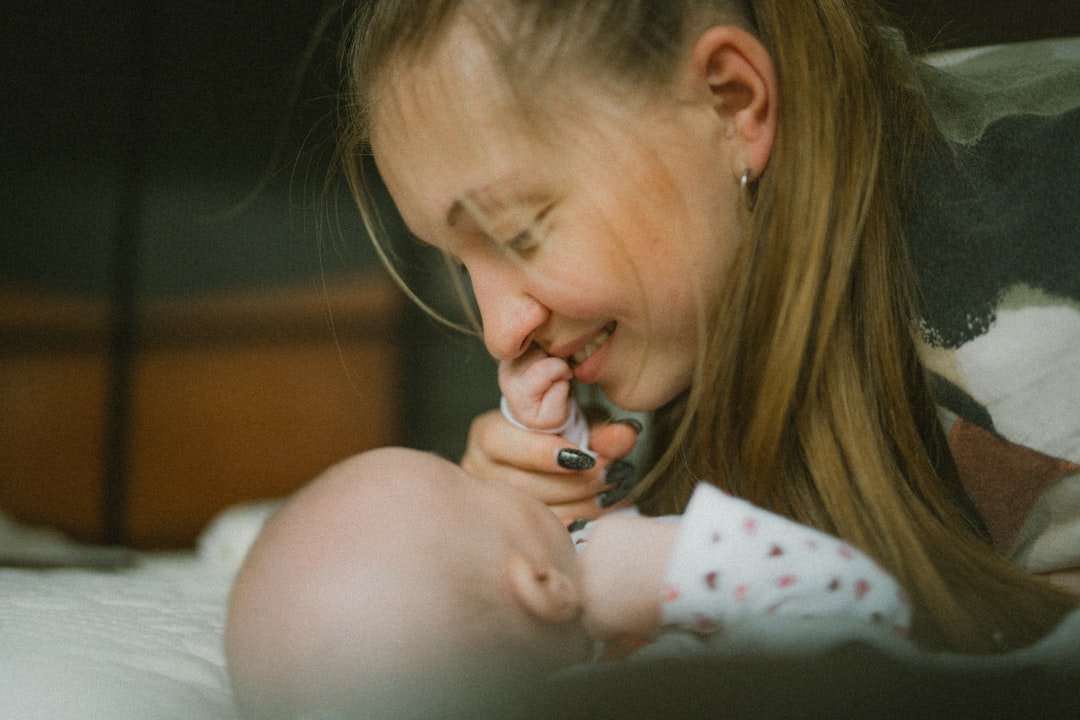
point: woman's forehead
(449, 140)
(458, 71)
(451, 136)
(453, 94)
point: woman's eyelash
(523, 240)
(527, 238)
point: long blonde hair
(821, 411)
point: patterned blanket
(994, 231)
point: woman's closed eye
(523, 241)
(529, 238)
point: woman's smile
(584, 370)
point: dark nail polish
(578, 524)
(617, 494)
(621, 474)
(638, 427)
(577, 460)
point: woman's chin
(641, 397)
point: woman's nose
(510, 316)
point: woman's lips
(586, 352)
(585, 371)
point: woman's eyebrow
(476, 211)
(476, 202)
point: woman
(700, 205)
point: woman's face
(601, 233)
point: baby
(396, 579)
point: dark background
(158, 149)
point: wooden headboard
(233, 397)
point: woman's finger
(614, 439)
(552, 489)
(588, 509)
(494, 441)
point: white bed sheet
(138, 643)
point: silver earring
(746, 190)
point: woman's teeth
(586, 352)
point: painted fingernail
(578, 524)
(622, 474)
(573, 459)
(614, 495)
(638, 427)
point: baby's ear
(542, 590)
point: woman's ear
(542, 590)
(733, 71)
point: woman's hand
(547, 466)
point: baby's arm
(536, 396)
(735, 561)
(726, 563)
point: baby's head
(395, 572)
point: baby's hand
(537, 389)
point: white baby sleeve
(737, 564)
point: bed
(91, 632)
